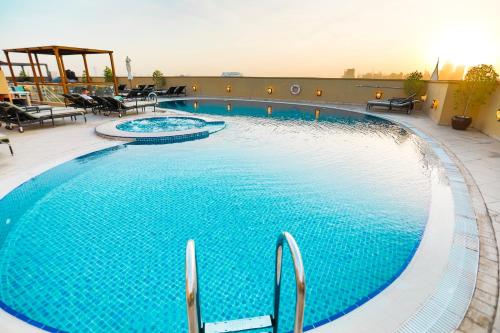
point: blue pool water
(97, 244)
(160, 124)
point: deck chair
(181, 90)
(123, 107)
(4, 139)
(407, 103)
(120, 107)
(14, 115)
(170, 91)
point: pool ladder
(265, 322)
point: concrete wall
(443, 93)
(333, 90)
(484, 117)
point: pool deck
(476, 155)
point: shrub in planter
(158, 79)
(478, 84)
(414, 84)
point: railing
(51, 95)
(195, 324)
(192, 295)
(300, 282)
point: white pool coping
(403, 305)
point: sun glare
(465, 45)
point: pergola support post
(12, 75)
(62, 73)
(39, 69)
(86, 68)
(115, 81)
(35, 77)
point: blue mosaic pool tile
(97, 244)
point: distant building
(450, 72)
(380, 75)
(349, 73)
(231, 74)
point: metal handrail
(300, 282)
(192, 294)
(192, 288)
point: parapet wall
(354, 91)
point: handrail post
(300, 291)
(192, 295)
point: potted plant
(478, 84)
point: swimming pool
(97, 244)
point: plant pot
(461, 122)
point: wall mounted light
(498, 115)
(317, 113)
(379, 94)
(423, 98)
(319, 92)
(269, 90)
(269, 110)
(195, 105)
(434, 104)
(228, 88)
(229, 107)
(194, 87)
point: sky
(303, 38)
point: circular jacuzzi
(159, 130)
(161, 124)
(97, 244)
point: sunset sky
(260, 38)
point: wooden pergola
(58, 52)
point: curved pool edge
(440, 309)
(444, 308)
(382, 291)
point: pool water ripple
(97, 244)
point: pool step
(239, 325)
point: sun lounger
(165, 92)
(4, 139)
(12, 114)
(77, 101)
(123, 107)
(102, 103)
(394, 103)
(181, 90)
